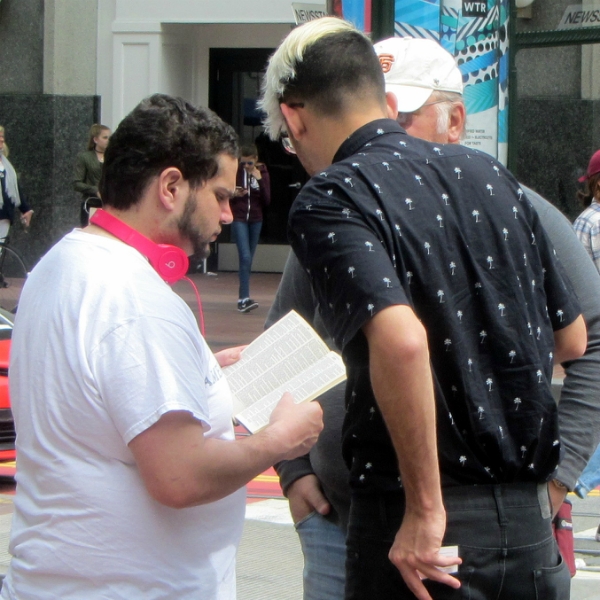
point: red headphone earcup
(170, 262)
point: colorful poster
(358, 12)
(475, 33)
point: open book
(288, 357)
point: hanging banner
(475, 33)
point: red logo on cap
(386, 60)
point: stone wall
(45, 132)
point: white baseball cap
(413, 68)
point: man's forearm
(402, 384)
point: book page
(327, 372)
(288, 347)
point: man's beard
(188, 230)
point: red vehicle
(7, 427)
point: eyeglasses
(287, 143)
(404, 117)
(246, 162)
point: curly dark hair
(162, 132)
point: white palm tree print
(505, 232)
(346, 212)
(419, 179)
(533, 239)
(560, 314)
(539, 375)
(370, 308)
(351, 270)
(489, 383)
(462, 460)
(459, 314)
(379, 213)
(517, 402)
(497, 170)
(482, 335)
(530, 328)
(445, 198)
(427, 247)
(512, 354)
(520, 193)
(440, 295)
(437, 150)
(377, 187)
(409, 276)
(501, 308)
(397, 228)
(480, 412)
(447, 343)
(329, 192)
(331, 236)
(386, 165)
(475, 213)
(348, 180)
(523, 451)
(452, 266)
(490, 262)
(490, 189)
(440, 220)
(356, 165)
(458, 172)
(409, 203)
(369, 245)
(470, 365)
(515, 211)
(387, 281)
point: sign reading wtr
(470, 8)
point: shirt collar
(365, 134)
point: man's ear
(294, 119)
(170, 188)
(458, 116)
(392, 105)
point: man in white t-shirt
(130, 482)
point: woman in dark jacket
(252, 195)
(88, 169)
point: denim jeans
(246, 239)
(590, 478)
(324, 548)
(504, 537)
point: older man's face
(426, 123)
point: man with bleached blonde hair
(382, 230)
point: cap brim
(410, 98)
(582, 178)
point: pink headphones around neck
(170, 262)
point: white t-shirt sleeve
(147, 367)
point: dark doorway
(235, 81)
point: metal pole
(382, 19)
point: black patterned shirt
(448, 231)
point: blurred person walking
(12, 196)
(587, 228)
(88, 170)
(252, 196)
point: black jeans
(504, 537)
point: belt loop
(544, 500)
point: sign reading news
(303, 13)
(575, 17)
